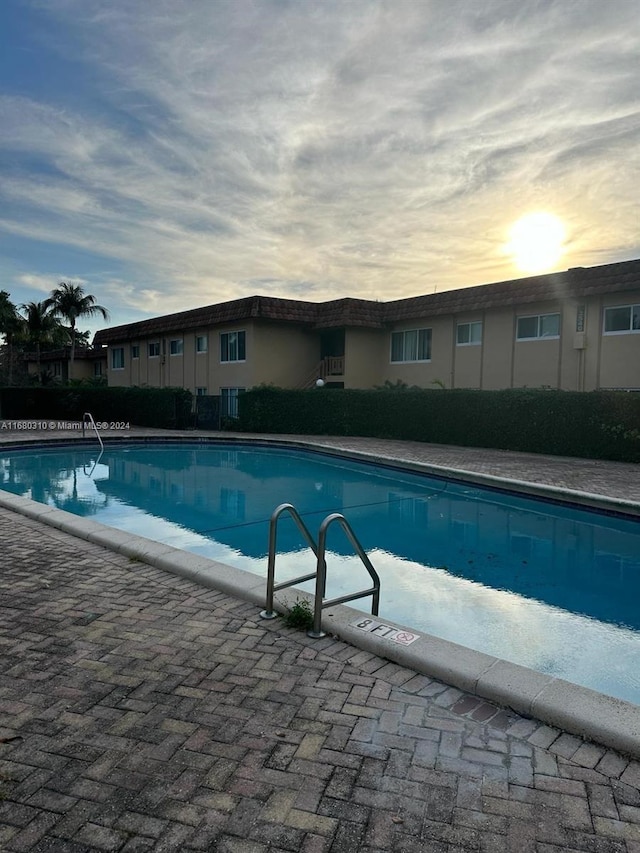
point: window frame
(539, 318)
(204, 338)
(155, 344)
(179, 346)
(633, 309)
(135, 351)
(406, 344)
(468, 343)
(227, 410)
(120, 351)
(225, 346)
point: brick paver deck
(141, 712)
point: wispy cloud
(325, 149)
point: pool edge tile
(513, 685)
(594, 716)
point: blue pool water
(545, 585)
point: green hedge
(597, 424)
(164, 408)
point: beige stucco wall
(593, 342)
(283, 354)
(619, 362)
(364, 355)
(536, 362)
(467, 358)
(571, 367)
(275, 353)
(83, 368)
(498, 334)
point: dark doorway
(331, 343)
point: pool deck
(145, 706)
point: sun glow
(536, 242)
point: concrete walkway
(140, 711)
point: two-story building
(576, 330)
(88, 363)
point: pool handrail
(321, 575)
(89, 417)
(269, 612)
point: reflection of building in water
(535, 549)
(216, 491)
(576, 560)
(59, 480)
(233, 503)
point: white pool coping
(611, 722)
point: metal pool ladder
(320, 573)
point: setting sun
(536, 242)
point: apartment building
(576, 330)
(89, 363)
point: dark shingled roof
(251, 307)
(64, 353)
(350, 312)
(576, 283)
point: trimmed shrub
(164, 408)
(596, 424)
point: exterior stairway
(326, 369)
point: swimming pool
(547, 586)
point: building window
(412, 345)
(232, 346)
(202, 343)
(538, 326)
(232, 503)
(229, 402)
(176, 491)
(97, 368)
(135, 351)
(117, 358)
(621, 320)
(408, 510)
(154, 349)
(468, 334)
(176, 346)
(57, 368)
(201, 392)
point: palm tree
(41, 325)
(10, 324)
(69, 301)
(7, 310)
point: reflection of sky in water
(500, 575)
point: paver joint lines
(139, 712)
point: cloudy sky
(173, 153)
